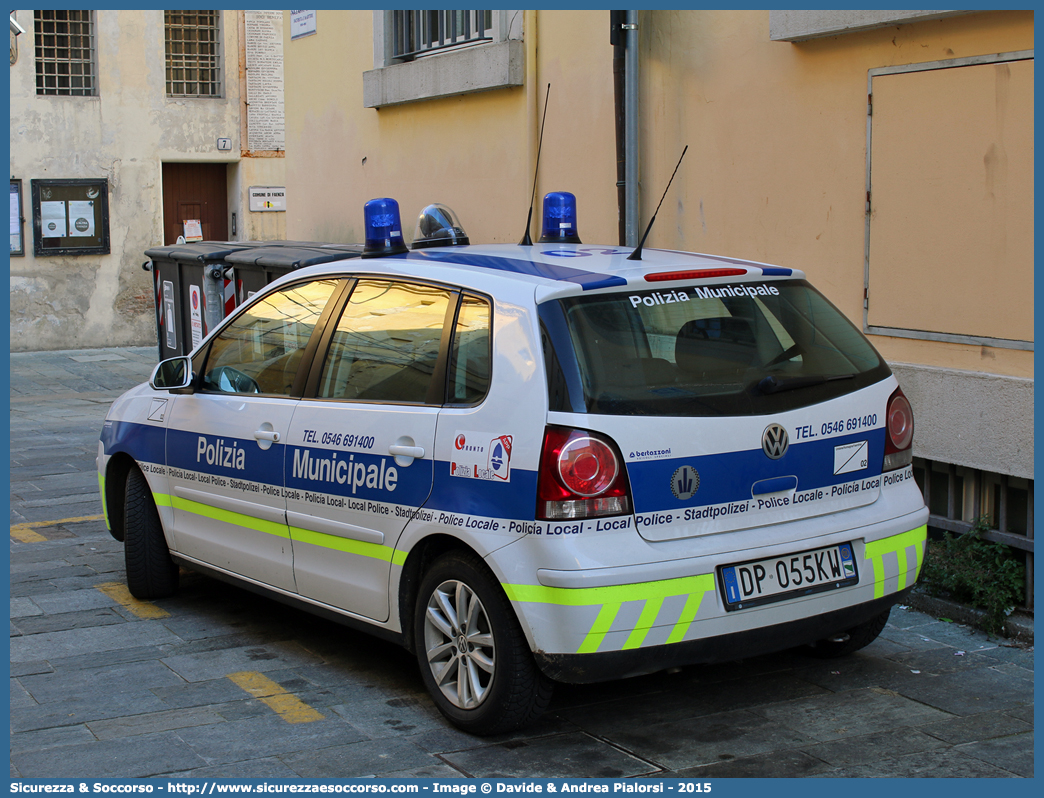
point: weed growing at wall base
(977, 572)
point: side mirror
(172, 375)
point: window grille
(418, 33)
(65, 53)
(193, 46)
(956, 496)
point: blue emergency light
(383, 234)
(560, 219)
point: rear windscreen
(741, 349)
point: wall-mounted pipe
(631, 128)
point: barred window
(65, 53)
(193, 46)
(420, 32)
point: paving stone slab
(69, 620)
(85, 641)
(437, 771)
(265, 768)
(24, 608)
(244, 709)
(949, 764)
(776, 765)
(30, 668)
(80, 710)
(394, 717)
(1015, 655)
(851, 714)
(106, 659)
(106, 682)
(270, 735)
(150, 755)
(73, 601)
(973, 728)
(944, 660)
(51, 738)
(47, 571)
(696, 700)
(1014, 753)
(911, 639)
(703, 740)
(574, 755)
(1025, 712)
(873, 747)
(852, 673)
(448, 739)
(19, 696)
(152, 723)
(207, 665)
(969, 692)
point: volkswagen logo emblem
(775, 441)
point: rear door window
(387, 343)
(747, 348)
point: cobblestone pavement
(217, 682)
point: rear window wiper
(774, 384)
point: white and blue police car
(530, 463)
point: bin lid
(293, 257)
(201, 251)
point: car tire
(858, 637)
(151, 573)
(478, 668)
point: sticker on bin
(777, 578)
(851, 457)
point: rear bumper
(603, 666)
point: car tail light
(899, 428)
(581, 476)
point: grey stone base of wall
(971, 419)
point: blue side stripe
(730, 476)
(588, 280)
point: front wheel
(151, 573)
(473, 656)
(854, 639)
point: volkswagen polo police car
(530, 464)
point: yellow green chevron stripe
(875, 551)
(611, 598)
(105, 504)
(226, 516)
(297, 534)
(359, 547)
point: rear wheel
(151, 573)
(473, 656)
(854, 639)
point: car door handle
(405, 451)
(266, 435)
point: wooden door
(195, 191)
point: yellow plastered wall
(776, 168)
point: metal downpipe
(631, 129)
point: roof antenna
(637, 254)
(526, 240)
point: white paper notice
(52, 219)
(81, 218)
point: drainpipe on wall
(616, 39)
(631, 128)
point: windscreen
(742, 349)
